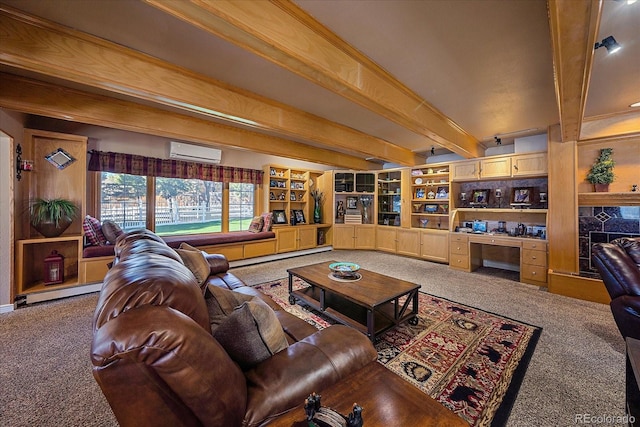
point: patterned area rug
(470, 361)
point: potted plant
(51, 217)
(601, 174)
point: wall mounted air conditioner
(194, 153)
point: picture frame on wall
(521, 196)
(279, 217)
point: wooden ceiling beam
(49, 100)
(284, 34)
(39, 46)
(574, 27)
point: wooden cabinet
(296, 238)
(533, 262)
(386, 239)
(495, 167)
(465, 171)
(354, 237)
(529, 165)
(459, 252)
(434, 245)
(408, 242)
(354, 194)
(48, 182)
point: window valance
(148, 166)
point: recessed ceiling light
(635, 104)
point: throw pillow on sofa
(111, 231)
(267, 221)
(251, 334)
(221, 303)
(93, 230)
(195, 261)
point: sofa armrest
(283, 381)
(626, 313)
(217, 263)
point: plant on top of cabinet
(51, 217)
(601, 173)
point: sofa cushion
(221, 303)
(251, 334)
(195, 261)
(256, 224)
(111, 231)
(93, 230)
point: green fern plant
(51, 211)
(602, 170)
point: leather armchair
(618, 263)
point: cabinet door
(386, 239)
(434, 246)
(365, 237)
(343, 237)
(307, 238)
(465, 171)
(286, 238)
(495, 168)
(529, 164)
(408, 242)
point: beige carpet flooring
(577, 367)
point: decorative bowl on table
(344, 269)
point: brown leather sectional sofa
(157, 361)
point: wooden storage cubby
(430, 190)
(48, 182)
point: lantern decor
(53, 268)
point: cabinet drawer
(536, 245)
(496, 241)
(534, 257)
(459, 237)
(533, 273)
(459, 261)
(459, 248)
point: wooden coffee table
(386, 399)
(371, 305)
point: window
(241, 206)
(187, 206)
(123, 199)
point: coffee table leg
(370, 326)
(414, 320)
(292, 299)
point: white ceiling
(486, 64)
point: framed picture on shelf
(299, 214)
(272, 196)
(479, 198)
(442, 193)
(352, 202)
(279, 217)
(292, 196)
(521, 196)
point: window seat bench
(234, 245)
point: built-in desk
(465, 253)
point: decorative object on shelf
(272, 196)
(292, 196)
(418, 181)
(299, 216)
(480, 198)
(601, 173)
(340, 210)
(60, 158)
(318, 198)
(543, 197)
(352, 202)
(424, 222)
(634, 187)
(498, 194)
(502, 226)
(51, 217)
(420, 193)
(445, 208)
(417, 206)
(431, 195)
(463, 199)
(53, 272)
(431, 208)
(366, 203)
(279, 217)
(442, 193)
(521, 197)
(22, 165)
